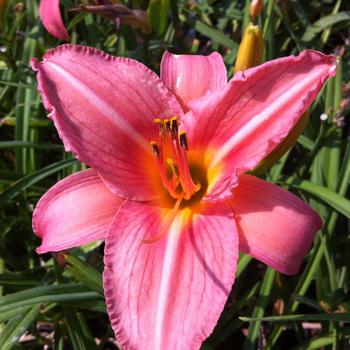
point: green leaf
(63, 293)
(19, 144)
(337, 317)
(259, 309)
(308, 301)
(339, 203)
(17, 280)
(6, 315)
(17, 326)
(214, 34)
(84, 273)
(305, 142)
(324, 22)
(19, 85)
(158, 15)
(243, 262)
(19, 186)
(316, 343)
(75, 331)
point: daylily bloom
(167, 187)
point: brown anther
(167, 125)
(155, 148)
(183, 140)
(174, 126)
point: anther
(160, 123)
(183, 140)
(167, 125)
(174, 127)
(155, 148)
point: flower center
(172, 161)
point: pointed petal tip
(65, 83)
(331, 60)
(42, 250)
(275, 226)
(34, 64)
(39, 251)
(267, 91)
(75, 211)
(50, 15)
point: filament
(176, 163)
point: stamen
(183, 140)
(167, 224)
(171, 151)
(155, 148)
(174, 127)
(173, 167)
(160, 123)
(167, 126)
(162, 172)
(187, 183)
(170, 139)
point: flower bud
(119, 14)
(255, 9)
(251, 49)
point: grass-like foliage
(55, 301)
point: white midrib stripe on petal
(105, 109)
(260, 118)
(173, 239)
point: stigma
(171, 157)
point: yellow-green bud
(251, 50)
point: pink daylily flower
(167, 188)
(50, 15)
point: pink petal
(192, 76)
(274, 225)
(77, 210)
(103, 108)
(50, 15)
(244, 122)
(168, 294)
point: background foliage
(56, 302)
